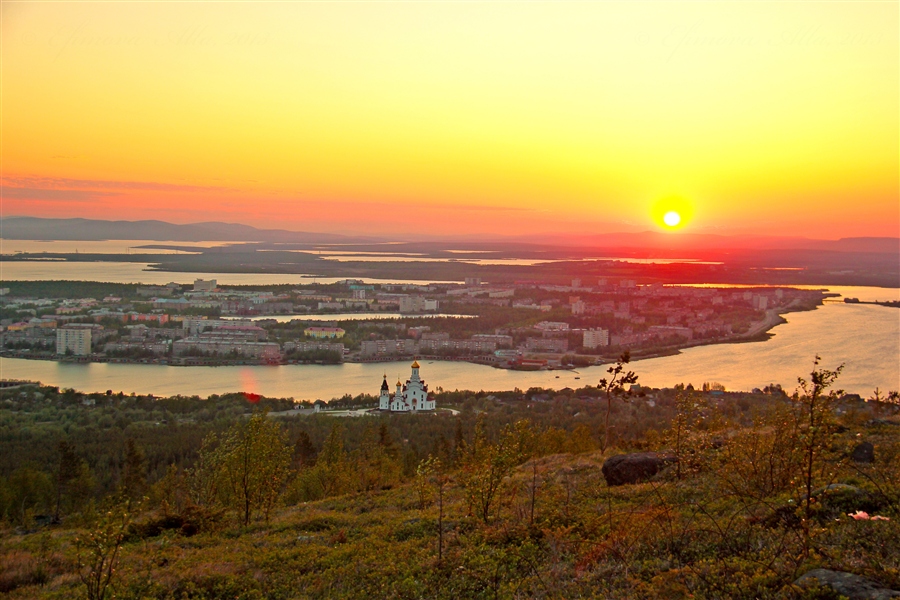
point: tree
(375, 467)
(73, 478)
(486, 465)
(615, 387)
(442, 449)
(432, 471)
(683, 437)
(30, 490)
(890, 401)
(98, 549)
(815, 403)
(253, 464)
(333, 460)
(203, 478)
(304, 451)
(387, 442)
(330, 476)
(171, 493)
(134, 472)
(459, 441)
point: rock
(834, 501)
(852, 586)
(623, 469)
(838, 488)
(840, 499)
(879, 422)
(863, 453)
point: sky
(496, 118)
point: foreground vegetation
(507, 500)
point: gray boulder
(852, 586)
(623, 469)
(836, 489)
(840, 499)
(863, 453)
(880, 422)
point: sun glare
(671, 218)
(672, 212)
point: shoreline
(449, 271)
(758, 333)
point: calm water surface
(326, 251)
(117, 272)
(99, 246)
(338, 317)
(865, 338)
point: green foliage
(171, 493)
(28, 492)
(248, 468)
(330, 476)
(426, 470)
(764, 459)
(98, 548)
(374, 465)
(485, 465)
(816, 426)
(689, 439)
(74, 480)
(69, 289)
(614, 387)
(502, 508)
(134, 472)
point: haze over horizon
(773, 119)
(46, 229)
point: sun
(672, 213)
(671, 218)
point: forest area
(522, 494)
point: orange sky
(776, 118)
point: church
(411, 397)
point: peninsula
(524, 325)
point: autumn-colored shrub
(18, 569)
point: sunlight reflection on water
(866, 338)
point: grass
(665, 538)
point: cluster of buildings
(407, 298)
(600, 318)
(424, 342)
(604, 317)
(221, 338)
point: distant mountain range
(33, 228)
(654, 240)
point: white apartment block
(760, 302)
(413, 304)
(594, 338)
(76, 341)
(204, 285)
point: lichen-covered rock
(839, 499)
(882, 422)
(863, 453)
(623, 469)
(852, 586)
(838, 488)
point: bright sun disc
(672, 218)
